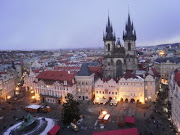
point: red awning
(130, 131)
(129, 120)
(54, 130)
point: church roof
(84, 71)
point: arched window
(108, 47)
(129, 46)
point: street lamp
(33, 97)
(104, 112)
(8, 97)
(32, 91)
(141, 100)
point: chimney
(69, 72)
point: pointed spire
(108, 21)
(129, 34)
(132, 26)
(135, 33)
(129, 19)
(109, 31)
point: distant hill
(173, 45)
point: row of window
(50, 100)
(138, 84)
(83, 97)
(82, 90)
(102, 92)
(115, 93)
(56, 88)
(82, 83)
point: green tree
(70, 110)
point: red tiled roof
(96, 69)
(43, 58)
(155, 72)
(129, 74)
(57, 76)
(106, 79)
(2, 72)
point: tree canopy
(70, 111)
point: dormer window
(65, 82)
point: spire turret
(129, 33)
(109, 35)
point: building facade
(7, 85)
(130, 87)
(174, 98)
(165, 66)
(85, 83)
(51, 86)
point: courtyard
(159, 125)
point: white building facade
(52, 86)
(133, 89)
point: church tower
(109, 39)
(109, 45)
(129, 37)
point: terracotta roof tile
(60, 76)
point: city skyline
(30, 25)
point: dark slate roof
(84, 71)
(171, 59)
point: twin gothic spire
(129, 34)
